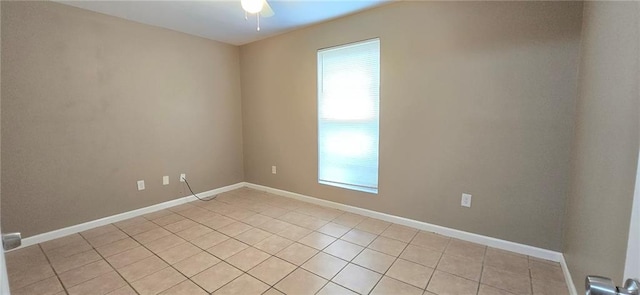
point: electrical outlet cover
(140, 185)
(466, 200)
(183, 176)
(165, 180)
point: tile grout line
(233, 237)
(154, 254)
(404, 249)
(438, 263)
(512, 273)
(348, 262)
(481, 269)
(300, 266)
(82, 265)
(367, 247)
(249, 246)
(128, 235)
(306, 211)
(105, 260)
(140, 245)
(530, 276)
(247, 272)
(342, 268)
(55, 273)
(363, 248)
(398, 257)
(394, 261)
(221, 260)
(169, 264)
(205, 250)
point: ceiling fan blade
(266, 10)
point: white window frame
(351, 186)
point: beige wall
(606, 142)
(476, 97)
(93, 103)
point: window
(348, 115)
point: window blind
(348, 115)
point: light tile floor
(251, 242)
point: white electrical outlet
(165, 180)
(140, 185)
(466, 200)
(183, 176)
(274, 169)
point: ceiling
(223, 20)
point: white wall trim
(454, 233)
(567, 277)
(122, 216)
(4, 276)
(632, 262)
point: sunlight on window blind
(348, 115)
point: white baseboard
(4, 276)
(567, 277)
(454, 233)
(122, 216)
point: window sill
(351, 187)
